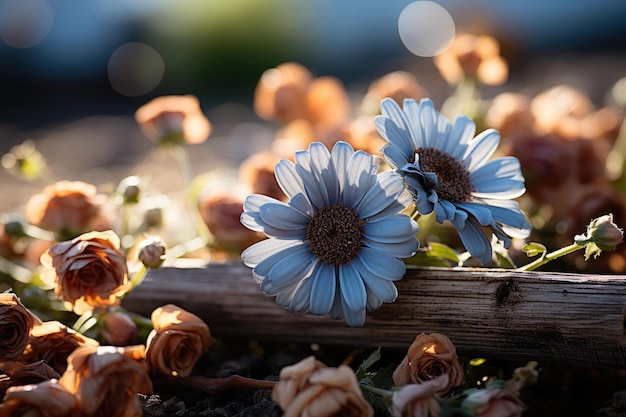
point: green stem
(139, 276)
(378, 391)
(550, 257)
(184, 164)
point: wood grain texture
(492, 313)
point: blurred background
(73, 73)
(60, 60)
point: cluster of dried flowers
(332, 164)
(49, 369)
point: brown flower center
(334, 234)
(454, 179)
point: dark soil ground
(562, 390)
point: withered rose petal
(429, 356)
(53, 342)
(419, 400)
(16, 322)
(293, 379)
(329, 392)
(178, 339)
(25, 374)
(45, 399)
(106, 379)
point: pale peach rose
(429, 356)
(87, 272)
(327, 104)
(361, 133)
(559, 106)
(53, 342)
(292, 137)
(16, 322)
(280, 93)
(490, 402)
(397, 85)
(14, 373)
(170, 120)
(118, 329)
(178, 340)
(221, 212)
(310, 388)
(257, 171)
(68, 208)
(509, 114)
(44, 399)
(419, 400)
(472, 56)
(107, 379)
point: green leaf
(534, 249)
(435, 254)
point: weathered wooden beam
(493, 313)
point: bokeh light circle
(426, 28)
(24, 23)
(135, 69)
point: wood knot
(507, 293)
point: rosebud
(152, 252)
(130, 189)
(118, 329)
(602, 235)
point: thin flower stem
(217, 385)
(550, 257)
(139, 276)
(184, 164)
(378, 391)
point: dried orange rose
(397, 85)
(493, 402)
(429, 356)
(68, 208)
(327, 104)
(53, 342)
(221, 212)
(178, 340)
(44, 399)
(107, 379)
(257, 171)
(419, 400)
(280, 93)
(88, 272)
(472, 56)
(311, 388)
(16, 322)
(171, 120)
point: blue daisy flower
(335, 246)
(449, 172)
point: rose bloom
(429, 356)
(44, 399)
(178, 339)
(509, 113)
(257, 171)
(170, 120)
(472, 56)
(221, 213)
(361, 133)
(107, 379)
(558, 106)
(118, 329)
(14, 373)
(280, 93)
(53, 342)
(419, 400)
(310, 388)
(490, 402)
(16, 322)
(397, 85)
(88, 272)
(68, 208)
(327, 104)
